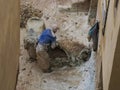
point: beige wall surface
(115, 75)
(108, 45)
(9, 43)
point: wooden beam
(9, 43)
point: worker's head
(92, 21)
(55, 28)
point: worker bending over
(47, 38)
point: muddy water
(57, 53)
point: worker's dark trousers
(43, 60)
(32, 52)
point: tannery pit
(70, 71)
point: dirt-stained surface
(66, 78)
(57, 52)
(73, 27)
(72, 47)
(26, 12)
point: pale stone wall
(109, 46)
(9, 43)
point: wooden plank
(9, 43)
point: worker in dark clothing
(93, 34)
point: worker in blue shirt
(47, 38)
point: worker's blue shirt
(46, 37)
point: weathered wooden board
(9, 43)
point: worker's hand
(53, 45)
(57, 44)
(89, 38)
(90, 45)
